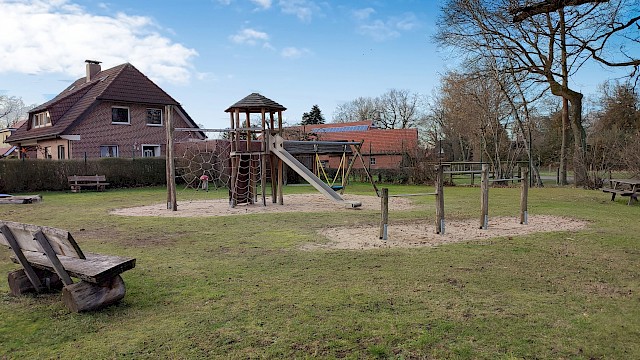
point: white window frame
(63, 152)
(41, 119)
(128, 115)
(161, 117)
(117, 154)
(372, 160)
(47, 152)
(157, 149)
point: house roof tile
(122, 83)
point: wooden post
(524, 194)
(439, 200)
(263, 159)
(484, 197)
(280, 182)
(384, 207)
(172, 203)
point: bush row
(42, 175)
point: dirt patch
(292, 203)
(418, 234)
(413, 234)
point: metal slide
(277, 148)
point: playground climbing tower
(250, 154)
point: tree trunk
(564, 123)
(19, 283)
(85, 296)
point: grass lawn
(239, 287)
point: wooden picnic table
(623, 187)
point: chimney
(93, 67)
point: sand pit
(419, 234)
(292, 203)
(413, 234)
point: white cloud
(293, 52)
(58, 35)
(265, 4)
(381, 30)
(250, 37)
(302, 9)
(363, 14)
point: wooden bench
(621, 192)
(77, 182)
(50, 257)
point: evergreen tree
(313, 117)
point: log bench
(77, 182)
(50, 257)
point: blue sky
(208, 54)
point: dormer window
(41, 119)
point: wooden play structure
(50, 257)
(258, 155)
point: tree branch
(547, 6)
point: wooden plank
(61, 241)
(41, 238)
(95, 268)
(22, 260)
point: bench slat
(617, 191)
(96, 268)
(61, 240)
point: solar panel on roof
(341, 129)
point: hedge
(42, 175)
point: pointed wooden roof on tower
(255, 103)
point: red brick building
(381, 148)
(118, 112)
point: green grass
(238, 287)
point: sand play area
(406, 234)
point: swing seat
(337, 187)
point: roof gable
(123, 83)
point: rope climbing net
(204, 158)
(247, 183)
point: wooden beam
(172, 203)
(13, 243)
(484, 198)
(41, 238)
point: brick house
(118, 112)
(381, 148)
(7, 150)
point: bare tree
(12, 109)
(400, 109)
(360, 109)
(550, 39)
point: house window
(154, 117)
(150, 150)
(61, 152)
(41, 119)
(120, 115)
(372, 161)
(109, 151)
(47, 152)
(324, 164)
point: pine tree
(313, 117)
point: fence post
(439, 201)
(384, 220)
(524, 193)
(484, 198)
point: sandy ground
(418, 234)
(413, 234)
(292, 203)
